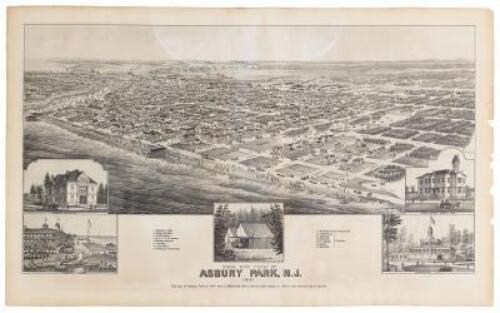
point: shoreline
(260, 186)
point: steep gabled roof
(70, 176)
(256, 230)
(231, 231)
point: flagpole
(88, 229)
(429, 236)
(429, 232)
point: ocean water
(140, 185)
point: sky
(76, 224)
(35, 173)
(418, 224)
(250, 43)
(236, 207)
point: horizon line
(247, 61)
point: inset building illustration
(428, 243)
(250, 236)
(248, 232)
(442, 189)
(65, 186)
(75, 188)
(69, 243)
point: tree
(39, 193)
(101, 196)
(222, 217)
(254, 216)
(390, 222)
(106, 193)
(274, 220)
(465, 236)
(47, 183)
(32, 190)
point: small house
(250, 236)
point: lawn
(256, 255)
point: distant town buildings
(389, 172)
(199, 114)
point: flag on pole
(432, 224)
(430, 232)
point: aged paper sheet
(249, 156)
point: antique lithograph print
(181, 127)
(249, 157)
